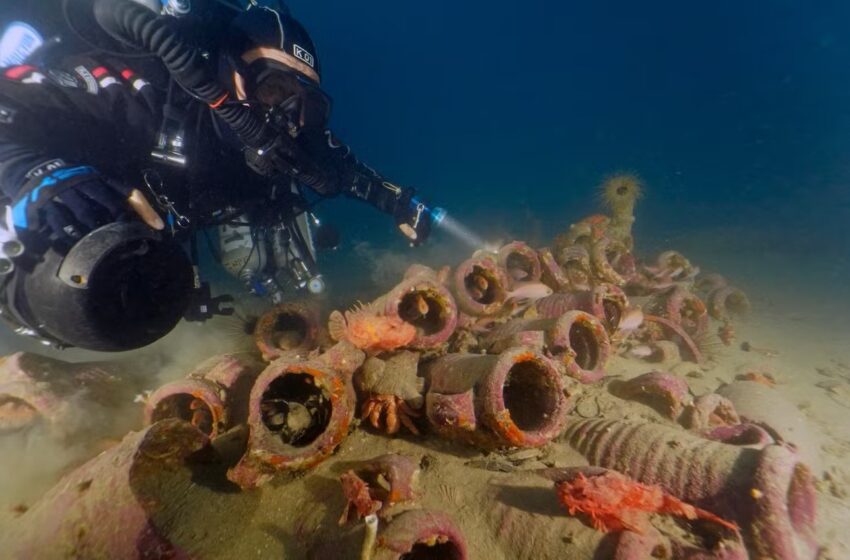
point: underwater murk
(653, 381)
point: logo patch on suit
(63, 78)
(91, 83)
(303, 55)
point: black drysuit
(107, 114)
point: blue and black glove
(70, 201)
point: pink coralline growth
(37, 390)
(298, 413)
(344, 358)
(606, 302)
(744, 435)
(682, 307)
(629, 545)
(377, 485)
(612, 262)
(480, 286)
(520, 262)
(580, 344)
(709, 411)
(514, 399)
(767, 491)
(574, 262)
(728, 302)
(421, 534)
(213, 397)
(665, 392)
(674, 266)
(659, 328)
(114, 506)
(671, 268)
(285, 328)
(358, 500)
(554, 275)
(421, 300)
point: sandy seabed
(504, 509)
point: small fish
(421, 305)
(480, 282)
(642, 351)
(476, 294)
(632, 319)
(531, 291)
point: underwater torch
(440, 219)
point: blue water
(736, 116)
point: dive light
(435, 213)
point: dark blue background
(735, 114)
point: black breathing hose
(136, 25)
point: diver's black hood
(266, 27)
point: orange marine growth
(367, 328)
(358, 500)
(614, 502)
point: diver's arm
(52, 128)
(90, 114)
(15, 163)
(343, 173)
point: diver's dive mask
(293, 101)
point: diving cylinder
(246, 259)
(239, 255)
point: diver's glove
(69, 201)
(412, 217)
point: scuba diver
(136, 130)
